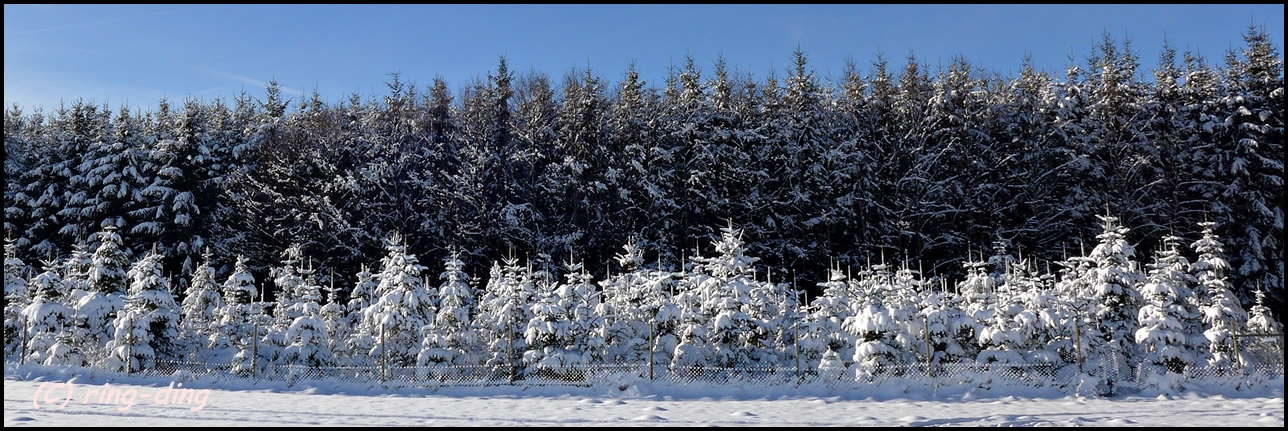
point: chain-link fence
(1100, 377)
(1259, 360)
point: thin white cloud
(248, 80)
(85, 24)
(213, 90)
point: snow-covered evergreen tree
(904, 302)
(977, 297)
(1221, 310)
(1250, 164)
(68, 346)
(15, 285)
(451, 339)
(614, 320)
(581, 298)
(364, 290)
(724, 281)
(941, 316)
(402, 307)
(558, 336)
(820, 330)
(660, 291)
(177, 206)
(307, 341)
(1001, 265)
(1260, 318)
(1115, 284)
(201, 304)
(1167, 296)
(1044, 320)
(259, 345)
(240, 288)
(503, 314)
(872, 326)
(289, 280)
(830, 367)
(287, 305)
(1077, 304)
(236, 338)
(692, 348)
(76, 270)
(46, 316)
(45, 188)
(777, 308)
(148, 328)
(362, 296)
(1006, 327)
(17, 160)
(110, 174)
(107, 278)
(15, 298)
(1262, 321)
(337, 325)
(636, 308)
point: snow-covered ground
(33, 398)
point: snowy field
(33, 398)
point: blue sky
(137, 54)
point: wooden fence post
(510, 357)
(1234, 337)
(1077, 341)
(930, 357)
(384, 356)
(651, 341)
(22, 358)
(254, 350)
(796, 346)
(129, 347)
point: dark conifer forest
(894, 161)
